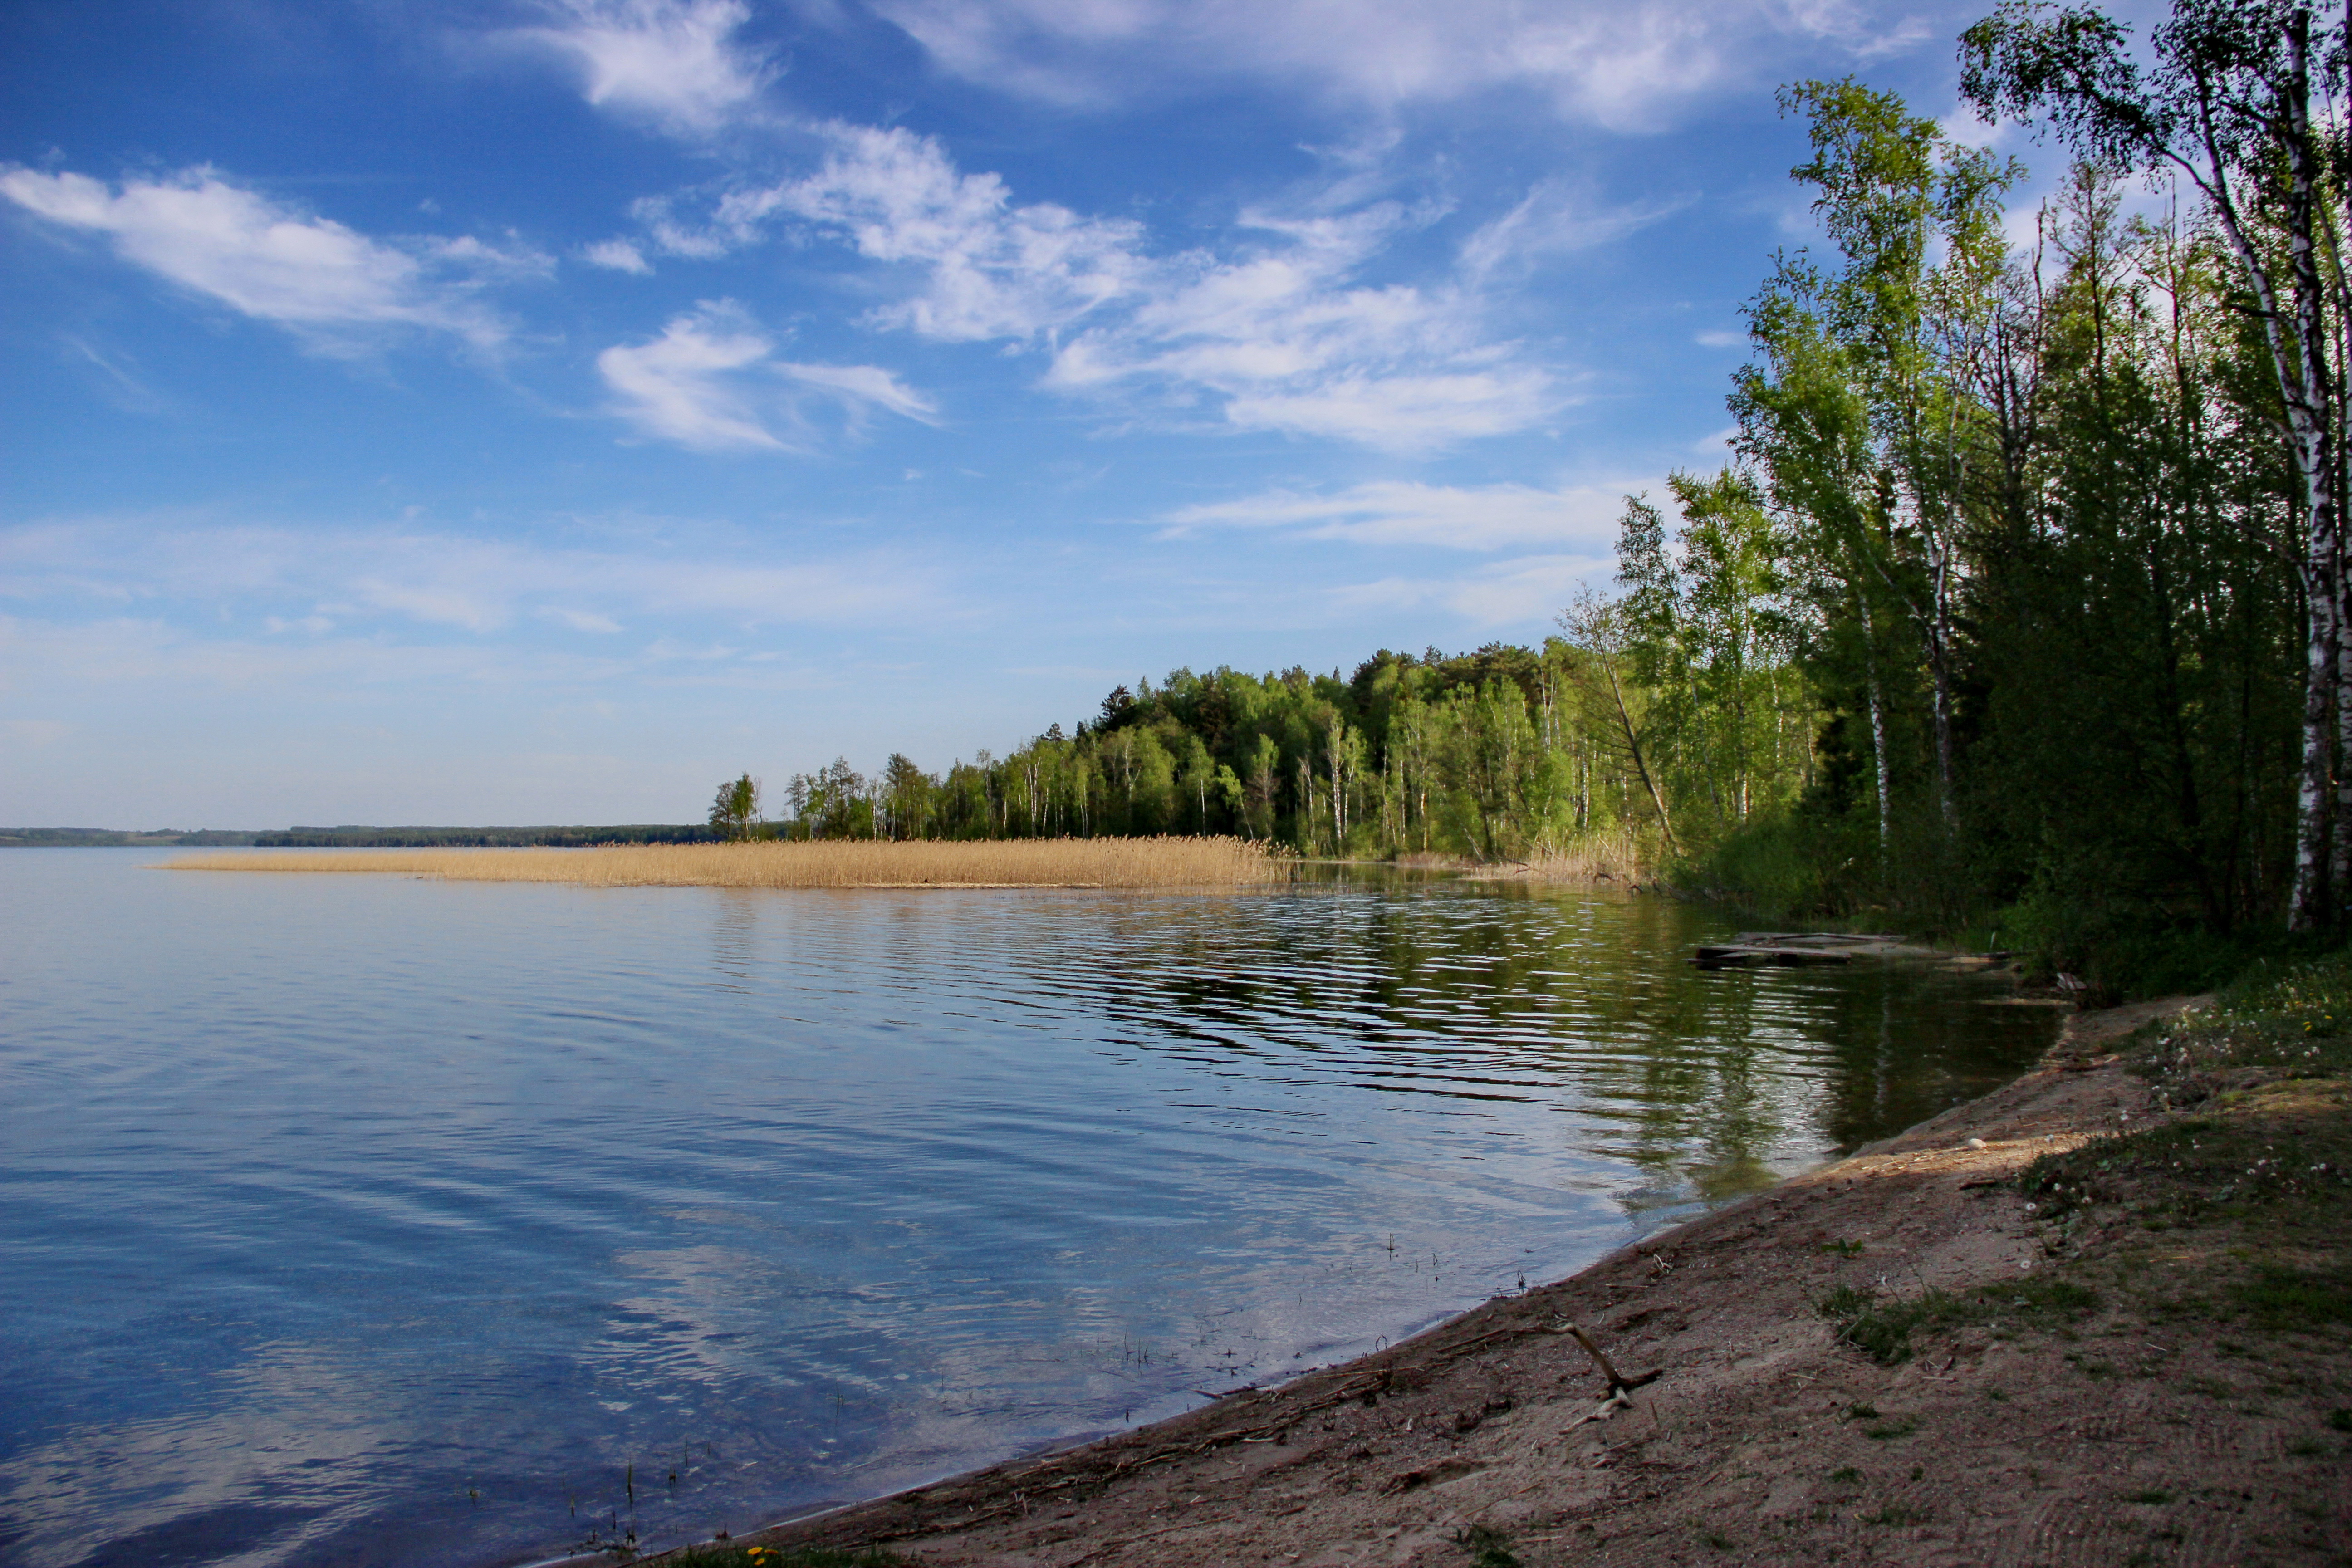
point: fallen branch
(1619, 1383)
(1621, 1387)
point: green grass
(2291, 1299)
(1881, 1326)
(1898, 1513)
(2185, 1171)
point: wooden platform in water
(1795, 950)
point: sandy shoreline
(1762, 1439)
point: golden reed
(851, 863)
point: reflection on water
(358, 1219)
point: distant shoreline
(356, 837)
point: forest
(2023, 601)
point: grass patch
(1846, 1476)
(2293, 1018)
(2148, 1496)
(1881, 1326)
(2188, 1170)
(1901, 1426)
(2291, 1299)
(1488, 1547)
(1900, 1513)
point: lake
(375, 1220)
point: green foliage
(1497, 754)
(735, 813)
(1998, 621)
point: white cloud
(1720, 339)
(991, 268)
(1282, 332)
(337, 289)
(1406, 414)
(863, 383)
(618, 256)
(676, 63)
(674, 388)
(1623, 64)
(691, 385)
(1400, 512)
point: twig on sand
(1621, 1387)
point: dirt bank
(1992, 1385)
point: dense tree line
(1497, 754)
(2026, 590)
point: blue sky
(418, 411)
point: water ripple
(356, 1218)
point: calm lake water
(373, 1220)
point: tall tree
(735, 812)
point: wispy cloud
(863, 385)
(1557, 217)
(1623, 64)
(338, 289)
(990, 268)
(1530, 588)
(677, 64)
(1282, 330)
(319, 580)
(710, 382)
(1398, 512)
(676, 386)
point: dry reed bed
(999, 863)
(1591, 860)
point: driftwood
(1621, 1387)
